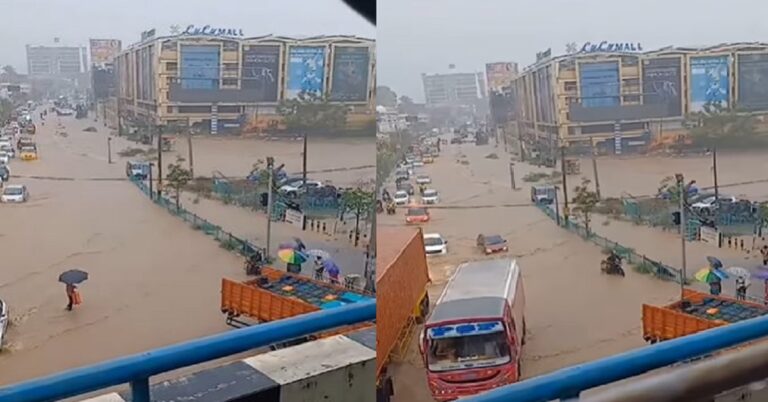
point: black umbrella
(73, 276)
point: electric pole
(304, 162)
(594, 168)
(714, 174)
(566, 211)
(683, 232)
(270, 170)
(159, 160)
(109, 150)
(189, 146)
(512, 175)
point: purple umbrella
(331, 269)
(761, 272)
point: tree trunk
(357, 225)
(178, 199)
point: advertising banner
(104, 51)
(306, 71)
(599, 84)
(661, 84)
(350, 74)
(709, 82)
(200, 67)
(261, 66)
(499, 75)
(546, 113)
(752, 91)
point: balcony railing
(137, 369)
(570, 382)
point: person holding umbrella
(71, 279)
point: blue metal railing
(137, 369)
(569, 382)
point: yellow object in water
(329, 297)
(713, 311)
(288, 288)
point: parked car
(14, 193)
(423, 179)
(416, 215)
(28, 153)
(709, 205)
(401, 197)
(543, 194)
(5, 158)
(434, 244)
(5, 173)
(8, 149)
(491, 244)
(418, 163)
(293, 190)
(430, 197)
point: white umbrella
(319, 253)
(739, 272)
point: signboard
(207, 30)
(709, 235)
(148, 34)
(260, 71)
(543, 55)
(662, 83)
(199, 67)
(499, 75)
(752, 90)
(294, 217)
(709, 83)
(306, 71)
(599, 84)
(104, 51)
(611, 47)
(351, 67)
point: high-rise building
(451, 89)
(54, 61)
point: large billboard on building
(543, 89)
(499, 75)
(200, 65)
(349, 81)
(752, 90)
(709, 83)
(662, 83)
(260, 71)
(104, 51)
(306, 71)
(599, 84)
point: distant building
(220, 83)
(451, 89)
(64, 62)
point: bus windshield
(471, 351)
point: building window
(229, 82)
(169, 109)
(230, 109)
(231, 46)
(569, 64)
(194, 109)
(570, 86)
(231, 67)
(632, 99)
(629, 61)
(171, 67)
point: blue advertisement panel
(350, 74)
(599, 84)
(306, 71)
(260, 71)
(709, 82)
(200, 67)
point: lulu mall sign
(207, 30)
(611, 47)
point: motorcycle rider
(614, 262)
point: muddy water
(153, 280)
(573, 313)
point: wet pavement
(149, 271)
(573, 313)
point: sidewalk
(252, 226)
(665, 247)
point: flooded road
(573, 313)
(153, 280)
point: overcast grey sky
(37, 22)
(416, 36)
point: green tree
(386, 97)
(585, 201)
(670, 190)
(358, 202)
(6, 108)
(178, 177)
(720, 126)
(311, 113)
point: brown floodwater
(153, 280)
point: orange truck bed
(289, 296)
(696, 312)
(402, 277)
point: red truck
(472, 342)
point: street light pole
(189, 146)
(512, 175)
(159, 162)
(682, 195)
(109, 150)
(270, 170)
(714, 173)
(304, 162)
(149, 177)
(565, 185)
(594, 168)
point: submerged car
(5, 158)
(416, 215)
(491, 244)
(434, 244)
(401, 197)
(430, 196)
(407, 187)
(423, 179)
(14, 193)
(28, 153)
